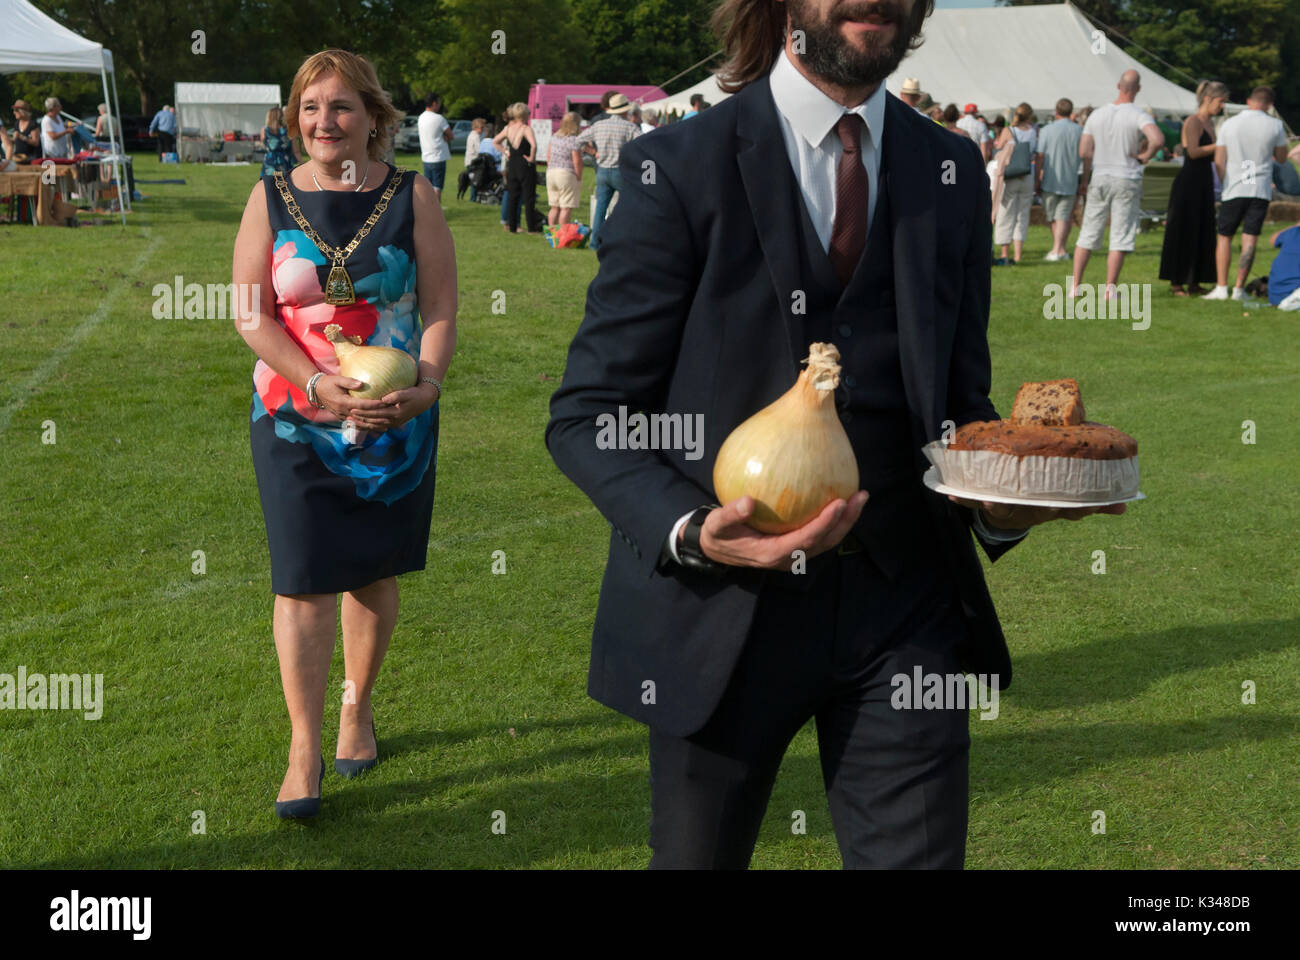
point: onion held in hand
(793, 456)
(381, 369)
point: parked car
(135, 135)
(460, 131)
(408, 135)
(407, 138)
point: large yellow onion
(381, 369)
(793, 456)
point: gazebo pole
(121, 134)
(117, 170)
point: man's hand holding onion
(727, 538)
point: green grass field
(1128, 688)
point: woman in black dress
(346, 483)
(521, 169)
(1187, 257)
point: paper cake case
(1074, 479)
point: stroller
(483, 176)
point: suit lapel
(774, 200)
(913, 192)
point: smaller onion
(381, 369)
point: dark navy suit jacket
(691, 312)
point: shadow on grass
(1123, 666)
(562, 804)
(1007, 764)
(553, 809)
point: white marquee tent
(209, 109)
(33, 41)
(681, 101)
(998, 57)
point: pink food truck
(550, 101)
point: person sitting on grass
(1284, 275)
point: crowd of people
(1098, 156)
(512, 155)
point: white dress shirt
(807, 118)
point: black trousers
(166, 142)
(521, 183)
(897, 781)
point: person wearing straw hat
(609, 136)
(911, 94)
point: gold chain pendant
(338, 288)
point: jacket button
(846, 330)
(850, 380)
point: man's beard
(834, 59)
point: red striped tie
(849, 234)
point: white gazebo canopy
(33, 41)
(209, 109)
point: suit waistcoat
(862, 321)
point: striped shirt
(609, 136)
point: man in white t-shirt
(435, 134)
(977, 130)
(1247, 146)
(1113, 157)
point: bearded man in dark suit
(811, 206)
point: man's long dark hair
(752, 33)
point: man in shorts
(1112, 171)
(1248, 145)
(1057, 168)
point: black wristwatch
(689, 552)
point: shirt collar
(811, 113)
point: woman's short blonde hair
(517, 111)
(570, 125)
(358, 73)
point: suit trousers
(896, 780)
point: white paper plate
(931, 480)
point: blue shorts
(436, 172)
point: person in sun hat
(609, 136)
(910, 93)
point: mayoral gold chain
(338, 288)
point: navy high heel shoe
(304, 807)
(354, 768)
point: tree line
(484, 54)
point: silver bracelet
(311, 391)
(436, 383)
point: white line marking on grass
(31, 386)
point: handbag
(1285, 178)
(1018, 165)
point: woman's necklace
(359, 186)
(338, 287)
